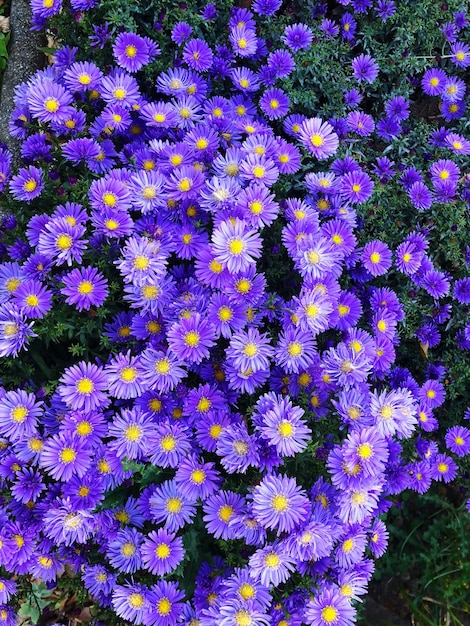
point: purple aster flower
(453, 110)
(272, 564)
(266, 7)
(259, 168)
(279, 504)
(132, 52)
(169, 506)
(454, 89)
(330, 607)
(377, 257)
(244, 41)
(297, 37)
(162, 552)
(64, 456)
(33, 299)
(458, 440)
(165, 600)
(457, 143)
(348, 27)
(367, 449)
(397, 108)
(131, 432)
(443, 468)
(65, 526)
(82, 149)
(27, 184)
(130, 602)
(435, 283)
(85, 288)
(365, 68)
(197, 479)
(109, 193)
(7, 590)
(120, 88)
(250, 350)
(19, 413)
(433, 81)
(329, 28)
(237, 449)
(420, 196)
(15, 331)
(181, 32)
(143, 260)
(360, 123)
(356, 186)
(97, 578)
(62, 241)
(219, 510)
(345, 366)
(123, 551)
(125, 376)
(83, 386)
(462, 290)
(281, 63)
(388, 128)
(49, 101)
(234, 246)
(161, 371)
(318, 137)
(385, 9)
(82, 76)
(295, 350)
(274, 103)
(198, 55)
(169, 444)
(191, 338)
(460, 54)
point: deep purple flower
(377, 257)
(278, 503)
(162, 552)
(365, 68)
(84, 288)
(27, 184)
(318, 137)
(356, 186)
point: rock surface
(24, 59)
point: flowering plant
(212, 299)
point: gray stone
(24, 59)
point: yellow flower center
(198, 476)
(162, 366)
(164, 606)
(174, 505)
(128, 549)
(243, 618)
(68, 455)
(258, 171)
(272, 560)
(285, 429)
(215, 430)
(163, 551)
(30, 185)
(136, 600)
(243, 285)
(203, 405)
(386, 412)
(85, 386)
(141, 262)
(83, 491)
(168, 443)
(19, 414)
(85, 287)
(64, 242)
(52, 105)
(316, 140)
(375, 257)
(150, 292)
(295, 349)
(130, 51)
(251, 349)
(191, 339)
(119, 93)
(348, 545)
(133, 432)
(225, 513)
(280, 503)
(128, 374)
(329, 614)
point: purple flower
(15, 332)
(457, 143)
(162, 552)
(365, 68)
(279, 504)
(33, 299)
(377, 257)
(244, 41)
(460, 54)
(462, 290)
(454, 89)
(101, 35)
(132, 52)
(443, 468)
(83, 386)
(181, 31)
(165, 604)
(49, 101)
(219, 509)
(235, 247)
(433, 81)
(130, 433)
(266, 7)
(272, 564)
(27, 184)
(297, 37)
(197, 479)
(237, 449)
(19, 413)
(64, 456)
(198, 55)
(274, 103)
(318, 137)
(356, 186)
(420, 195)
(85, 288)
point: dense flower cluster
(219, 385)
